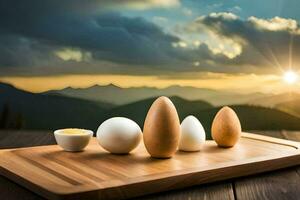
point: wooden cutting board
(96, 174)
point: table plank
(293, 135)
(14, 139)
(217, 191)
(17, 139)
(12, 191)
(282, 184)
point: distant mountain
(117, 95)
(273, 100)
(51, 111)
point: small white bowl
(73, 141)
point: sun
(290, 77)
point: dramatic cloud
(88, 6)
(108, 36)
(275, 24)
(257, 42)
(18, 51)
(100, 37)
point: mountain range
(50, 111)
(122, 96)
(119, 96)
(273, 100)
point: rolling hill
(292, 107)
(274, 100)
(139, 109)
(286, 102)
(51, 111)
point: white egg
(192, 135)
(119, 135)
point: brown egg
(161, 129)
(226, 128)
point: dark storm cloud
(109, 36)
(24, 52)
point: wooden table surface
(281, 184)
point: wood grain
(17, 139)
(12, 191)
(94, 173)
(279, 185)
(217, 191)
(284, 184)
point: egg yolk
(73, 131)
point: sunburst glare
(290, 77)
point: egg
(226, 128)
(192, 135)
(161, 129)
(73, 139)
(119, 135)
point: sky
(240, 45)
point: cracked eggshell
(161, 129)
(119, 135)
(226, 128)
(192, 135)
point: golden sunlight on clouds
(73, 54)
(181, 44)
(198, 32)
(275, 24)
(223, 45)
(244, 83)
